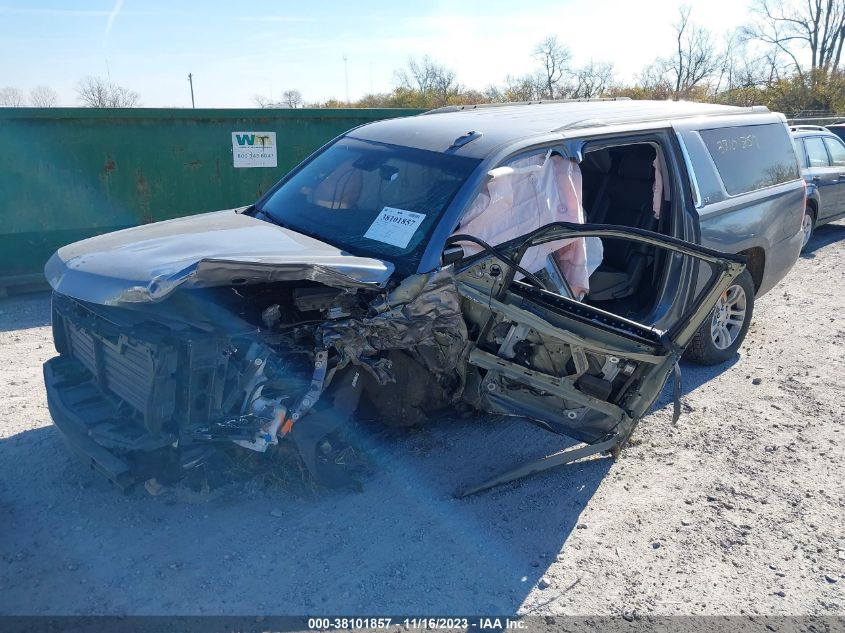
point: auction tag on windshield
(394, 226)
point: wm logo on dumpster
(250, 140)
(254, 149)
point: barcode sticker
(394, 226)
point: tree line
(787, 58)
(39, 97)
(92, 92)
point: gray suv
(551, 261)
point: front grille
(166, 379)
(135, 371)
(140, 372)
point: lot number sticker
(394, 226)
(254, 149)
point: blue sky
(237, 50)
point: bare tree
(43, 97)
(434, 81)
(554, 59)
(446, 88)
(653, 81)
(592, 80)
(95, 92)
(741, 67)
(524, 87)
(494, 94)
(427, 76)
(11, 97)
(292, 98)
(776, 69)
(818, 25)
(263, 102)
(695, 59)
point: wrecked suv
(533, 260)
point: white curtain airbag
(522, 198)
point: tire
(808, 227)
(719, 337)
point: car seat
(626, 200)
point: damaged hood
(146, 263)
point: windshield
(371, 198)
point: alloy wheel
(807, 228)
(728, 317)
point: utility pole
(191, 81)
(346, 77)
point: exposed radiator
(170, 378)
(140, 373)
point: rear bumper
(780, 259)
(59, 385)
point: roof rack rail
(480, 106)
(796, 128)
(582, 123)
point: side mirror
(452, 254)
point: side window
(837, 151)
(752, 157)
(816, 153)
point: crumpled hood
(146, 263)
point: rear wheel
(720, 336)
(808, 225)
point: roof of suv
(799, 131)
(498, 124)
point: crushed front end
(155, 390)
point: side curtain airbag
(523, 197)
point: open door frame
(559, 401)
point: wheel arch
(756, 264)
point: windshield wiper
(266, 215)
(295, 229)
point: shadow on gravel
(71, 544)
(824, 236)
(693, 376)
(20, 312)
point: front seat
(629, 203)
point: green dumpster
(70, 173)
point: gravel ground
(736, 509)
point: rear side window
(837, 151)
(752, 157)
(816, 154)
(839, 130)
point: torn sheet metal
(421, 316)
(147, 263)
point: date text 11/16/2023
(421, 623)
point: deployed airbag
(523, 197)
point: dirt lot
(737, 509)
